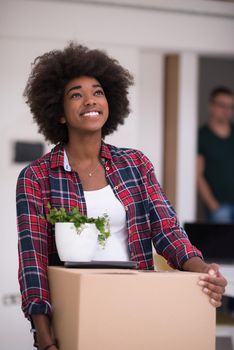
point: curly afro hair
(52, 71)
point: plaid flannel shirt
(150, 217)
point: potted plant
(76, 235)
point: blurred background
(177, 50)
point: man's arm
(203, 186)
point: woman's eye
(76, 95)
(99, 92)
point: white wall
(139, 39)
(124, 26)
(187, 137)
(150, 126)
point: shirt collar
(105, 151)
(59, 156)
(66, 164)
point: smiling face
(85, 106)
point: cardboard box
(99, 309)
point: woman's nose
(89, 101)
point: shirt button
(116, 187)
(107, 168)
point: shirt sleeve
(32, 246)
(169, 238)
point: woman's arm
(171, 241)
(169, 238)
(43, 332)
(33, 251)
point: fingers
(215, 303)
(212, 295)
(218, 287)
(213, 285)
(217, 280)
(214, 298)
(213, 269)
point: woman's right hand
(43, 332)
(53, 348)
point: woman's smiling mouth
(91, 114)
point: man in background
(215, 160)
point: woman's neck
(84, 148)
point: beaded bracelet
(49, 346)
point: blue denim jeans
(225, 213)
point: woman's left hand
(213, 284)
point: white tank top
(104, 201)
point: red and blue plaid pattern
(150, 217)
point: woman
(78, 96)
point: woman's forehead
(82, 83)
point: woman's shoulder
(39, 167)
(127, 152)
(130, 155)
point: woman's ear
(62, 120)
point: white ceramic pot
(73, 246)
